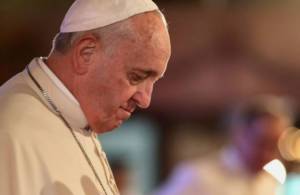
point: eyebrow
(148, 72)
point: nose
(142, 97)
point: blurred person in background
(254, 128)
(103, 65)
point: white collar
(56, 80)
(69, 108)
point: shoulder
(16, 91)
(185, 179)
(197, 171)
(20, 106)
(188, 172)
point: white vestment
(222, 174)
(38, 154)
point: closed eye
(136, 78)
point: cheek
(105, 94)
(111, 96)
(123, 90)
(123, 95)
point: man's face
(119, 82)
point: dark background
(223, 51)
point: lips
(126, 110)
(130, 110)
(125, 113)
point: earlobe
(84, 53)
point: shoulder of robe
(20, 107)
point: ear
(85, 53)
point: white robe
(38, 154)
(223, 174)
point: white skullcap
(91, 14)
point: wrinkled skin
(113, 85)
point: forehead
(148, 52)
(145, 49)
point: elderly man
(103, 65)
